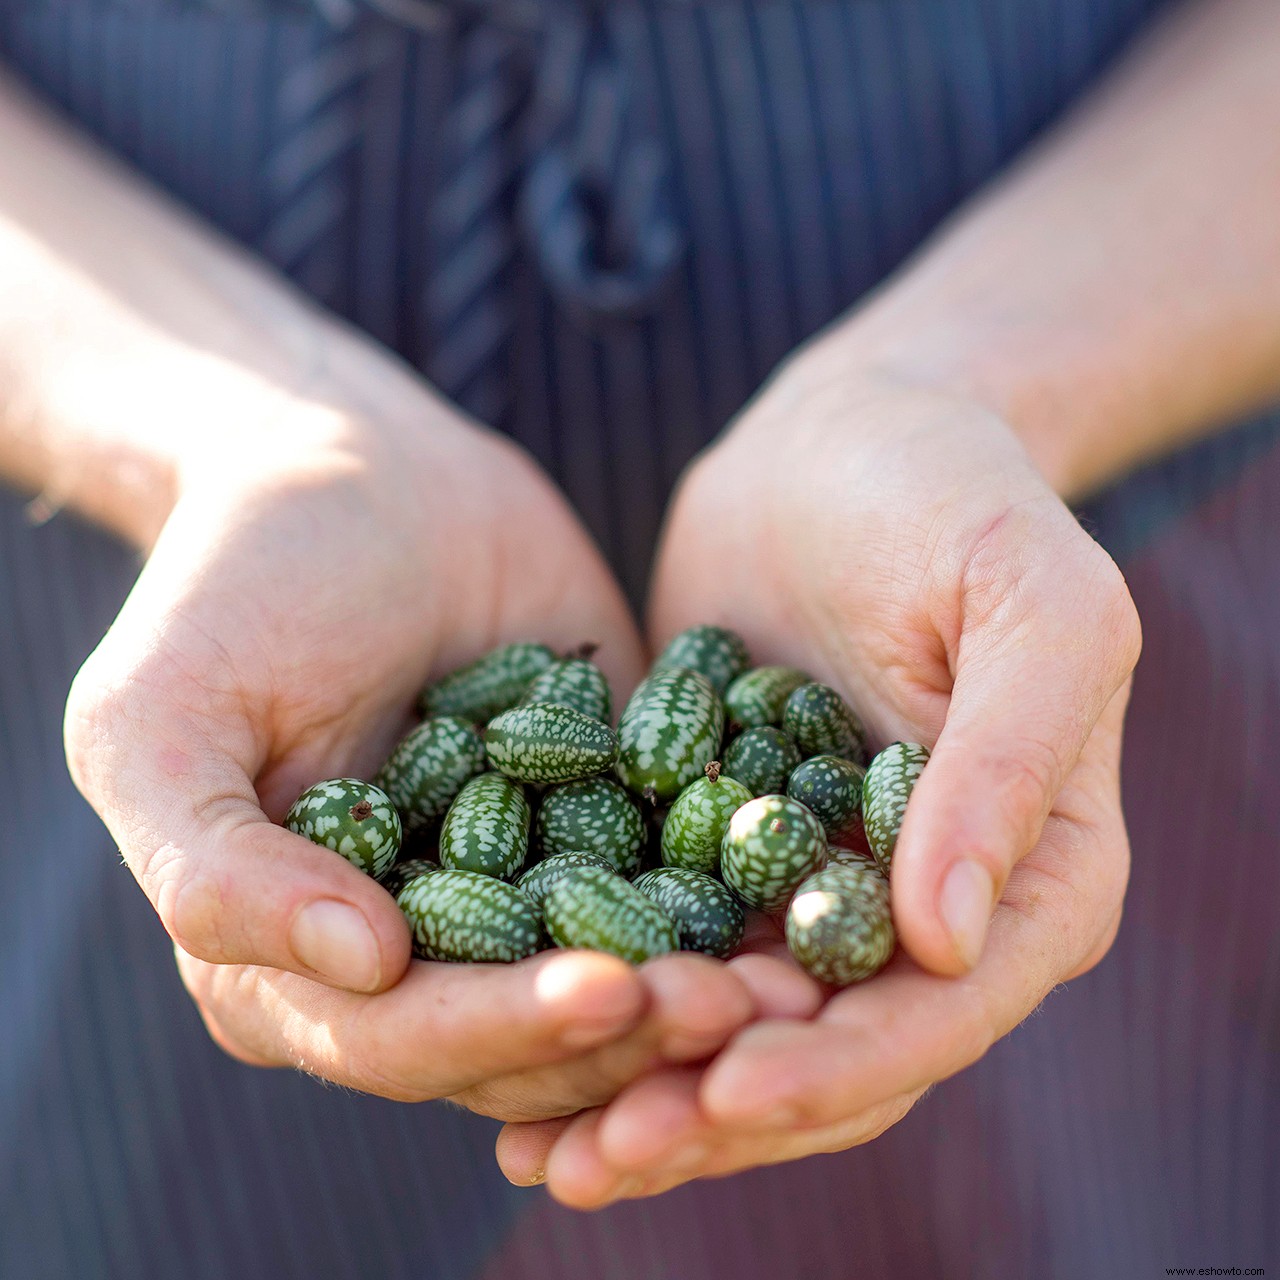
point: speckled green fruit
(351, 817)
(464, 916)
(539, 880)
(401, 873)
(696, 822)
(487, 828)
(478, 691)
(668, 733)
(761, 759)
(831, 786)
(890, 779)
(708, 917)
(545, 743)
(428, 768)
(593, 815)
(574, 683)
(600, 911)
(839, 926)
(823, 723)
(771, 844)
(715, 652)
(758, 696)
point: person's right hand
(303, 587)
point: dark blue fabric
(600, 227)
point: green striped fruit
(487, 828)
(669, 731)
(351, 817)
(890, 779)
(540, 879)
(715, 652)
(428, 768)
(839, 926)
(599, 911)
(696, 823)
(771, 844)
(593, 815)
(832, 787)
(761, 759)
(478, 691)
(545, 743)
(708, 917)
(575, 683)
(464, 916)
(758, 696)
(823, 723)
(402, 872)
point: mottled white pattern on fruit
(465, 916)
(706, 914)
(831, 787)
(595, 815)
(759, 695)
(839, 925)
(695, 824)
(429, 767)
(539, 880)
(715, 652)
(545, 743)
(600, 911)
(823, 723)
(770, 846)
(326, 815)
(891, 777)
(489, 685)
(487, 828)
(574, 683)
(669, 731)
(761, 759)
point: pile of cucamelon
(514, 816)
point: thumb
(229, 886)
(1032, 678)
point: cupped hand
(300, 592)
(898, 544)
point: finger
(522, 1149)
(1043, 650)
(441, 1030)
(700, 1001)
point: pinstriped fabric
(799, 151)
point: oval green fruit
(758, 696)
(351, 817)
(823, 723)
(695, 824)
(599, 911)
(707, 916)
(831, 786)
(402, 872)
(761, 759)
(593, 815)
(574, 683)
(839, 925)
(669, 731)
(468, 917)
(541, 878)
(715, 652)
(891, 777)
(478, 691)
(545, 743)
(429, 767)
(487, 828)
(771, 845)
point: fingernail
(336, 941)
(965, 904)
(537, 1178)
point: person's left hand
(899, 545)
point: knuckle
(192, 905)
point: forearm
(138, 348)
(1117, 293)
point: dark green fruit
(594, 815)
(464, 916)
(545, 743)
(890, 779)
(669, 731)
(575, 683)
(428, 768)
(487, 828)
(832, 787)
(402, 872)
(823, 723)
(771, 845)
(839, 926)
(761, 759)
(758, 696)
(708, 917)
(539, 880)
(600, 911)
(488, 685)
(351, 817)
(695, 824)
(715, 652)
